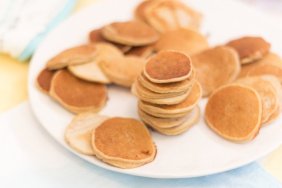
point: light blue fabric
(28, 51)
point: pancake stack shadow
(168, 93)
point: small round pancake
(141, 51)
(167, 101)
(90, 72)
(250, 48)
(267, 69)
(73, 56)
(174, 87)
(44, 79)
(182, 40)
(123, 142)
(167, 67)
(107, 51)
(234, 112)
(146, 93)
(185, 106)
(123, 71)
(186, 125)
(77, 95)
(139, 11)
(215, 67)
(95, 36)
(79, 131)
(167, 15)
(265, 89)
(162, 122)
(132, 33)
(270, 58)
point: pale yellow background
(13, 90)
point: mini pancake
(146, 93)
(73, 56)
(123, 142)
(265, 89)
(95, 36)
(168, 100)
(139, 11)
(182, 40)
(90, 72)
(79, 131)
(162, 122)
(77, 95)
(168, 87)
(141, 51)
(44, 79)
(167, 67)
(167, 15)
(215, 67)
(270, 58)
(123, 71)
(249, 48)
(267, 69)
(186, 125)
(234, 112)
(132, 33)
(185, 106)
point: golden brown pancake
(95, 36)
(234, 112)
(123, 71)
(187, 124)
(141, 51)
(162, 122)
(265, 89)
(77, 95)
(79, 132)
(215, 67)
(267, 69)
(250, 48)
(167, 67)
(139, 12)
(132, 33)
(168, 100)
(270, 58)
(44, 79)
(174, 87)
(165, 15)
(182, 40)
(185, 106)
(90, 72)
(146, 93)
(123, 142)
(73, 56)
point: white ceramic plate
(199, 151)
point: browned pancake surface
(182, 40)
(130, 32)
(250, 47)
(234, 112)
(76, 55)
(44, 79)
(124, 138)
(216, 67)
(77, 92)
(168, 65)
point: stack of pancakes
(168, 93)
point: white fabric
(22, 20)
